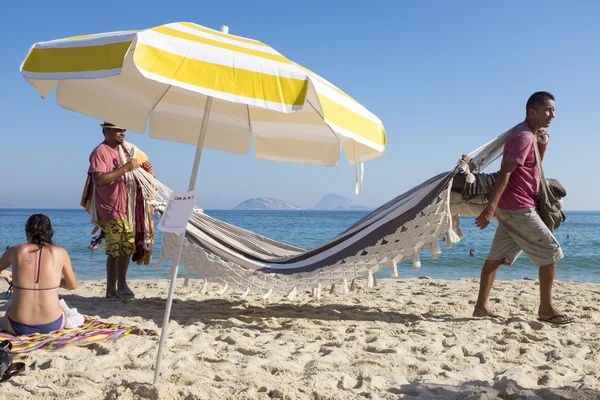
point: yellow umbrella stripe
(324, 82)
(351, 121)
(220, 34)
(76, 59)
(165, 30)
(235, 81)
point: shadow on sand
(219, 311)
(506, 389)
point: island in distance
(265, 203)
(331, 202)
(335, 202)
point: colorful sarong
(92, 331)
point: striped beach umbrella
(164, 75)
(207, 88)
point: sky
(444, 78)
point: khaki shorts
(119, 238)
(523, 230)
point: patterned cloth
(119, 238)
(139, 214)
(92, 331)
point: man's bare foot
(486, 312)
(112, 294)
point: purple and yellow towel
(92, 331)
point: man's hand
(131, 165)
(106, 178)
(485, 218)
(542, 136)
(7, 275)
(147, 166)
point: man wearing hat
(107, 173)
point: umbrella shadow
(230, 312)
(502, 389)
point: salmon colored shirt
(111, 199)
(524, 182)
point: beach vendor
(513, 202)
(117, 207)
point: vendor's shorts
(523, 230)
(119, 238)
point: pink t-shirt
(524, 181)
(111, 199)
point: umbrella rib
(317, 111)
(159, 99)
(249, 120)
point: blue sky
(444, 77)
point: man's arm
(542, 146)
(106, 178)
(485, 218)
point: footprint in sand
(226, 339)
(247, 352)
(380, 350)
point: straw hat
(110, 126)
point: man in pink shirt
(513, 202)
(107, 173)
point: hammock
(245, 261)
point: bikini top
(37, 279)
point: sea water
(307, 228)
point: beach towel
(92, 331)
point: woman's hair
(39, 230)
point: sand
(412, 339)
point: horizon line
(233, 209)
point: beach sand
(412, 339)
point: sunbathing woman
(38, 269)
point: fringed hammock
(244, 261)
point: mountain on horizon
(334, 202)
(265, 203)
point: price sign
(177, 213)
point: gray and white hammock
(244, 261)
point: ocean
(306, 229)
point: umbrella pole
(165, 326)
(199, 147)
